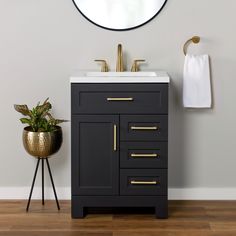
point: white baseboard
(12, 193)
(202, 193)
(64, 193)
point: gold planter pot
(42, 144)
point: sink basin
(121, 74)
(121, 77)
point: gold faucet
(119, 64)
(104, 67)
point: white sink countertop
(120, 77)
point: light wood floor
(186, 218)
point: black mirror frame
(126, 29)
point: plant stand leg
(42, 181)
(32, 187)
(54, 190)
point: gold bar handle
(119, 99)
(144, 155)
(115, 138)
(143, 128)
(134, 182)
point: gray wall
(42, 42)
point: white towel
(196, 82)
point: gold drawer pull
(144, 128)
(143, 182)
(120, 99)
(115, 138)
(143, 155)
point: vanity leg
(77, 210)
(162, 210)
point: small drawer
(119, 98)
(143, 182)
(143, 154)
(144, 128)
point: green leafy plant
(39, 118)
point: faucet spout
(119, 64)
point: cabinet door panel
(95, 163)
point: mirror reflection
(119, 14)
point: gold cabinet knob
(135, 66)
(104, 67)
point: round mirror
(119, 14)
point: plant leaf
(46, 101)
(50, 116)
(25, 121)
(23, 109)
(59, 121)
(42, 110)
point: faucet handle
(104, 67)
(135, 66)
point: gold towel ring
(194, 39)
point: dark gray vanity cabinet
(119, 146)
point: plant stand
(35, 174)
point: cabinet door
(95, 156)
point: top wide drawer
(119, 98)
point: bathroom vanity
(119, 141)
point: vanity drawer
(144, 128)
(143, 154)
(119, 98)
(143, 182)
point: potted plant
(41, 138)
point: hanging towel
(196, 82)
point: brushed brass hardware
(143, 155)
(144, 128)
(119, 99)
(119, 64)
(134, 182)
(115, 138)
(194, 39)
(104, 67)
(135, 66)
